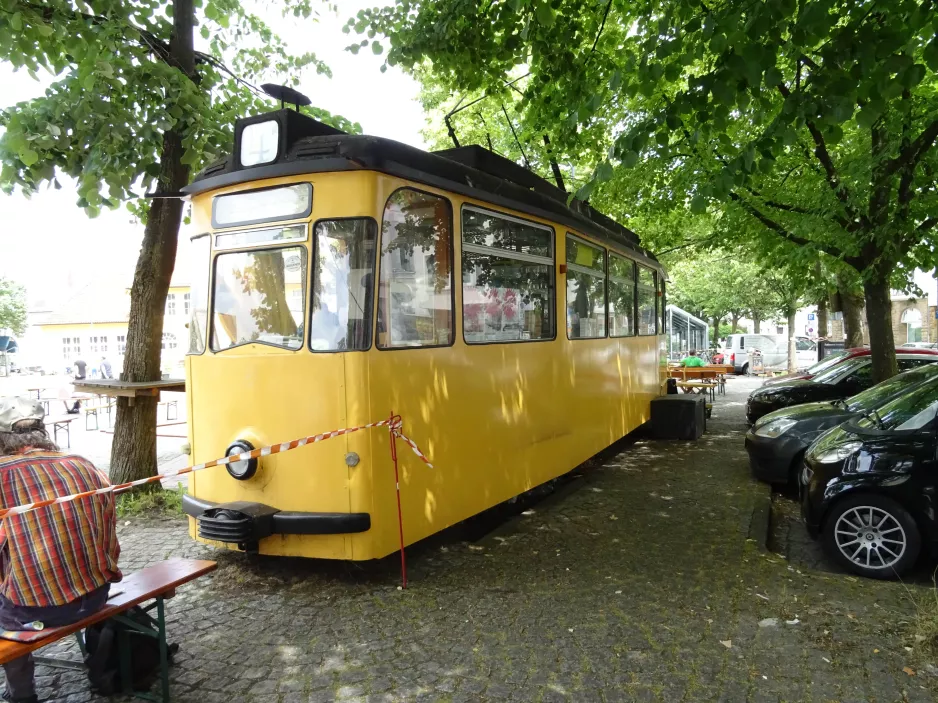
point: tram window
(621, 296)
(662, 327)
(200, 258)
(415, 289)
(343, 284)
(647, 302)
(253, 298)
(508, 279)
(264, 205)
(586, 289)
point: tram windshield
(259, 297)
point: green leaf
(544, 14)
(28, 157)
(867, 117)
(698, 205)
(45, 30)
(376, 47)
(605, 171)
(16, 22)
(629, 159)
(930, 54)
(913, 75)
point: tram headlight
(241, 470)
(259, 143)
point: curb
(760, 522)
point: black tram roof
(310, 146)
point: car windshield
(882, 392)
(827, 362)
(840, 370)
(909, 411)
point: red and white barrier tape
(394, 424)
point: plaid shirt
(55, 555)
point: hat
(16, 409)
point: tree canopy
(810, 126)
(117, 90)
(12, 306)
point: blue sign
(810, 315)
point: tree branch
(913, 153)
(823, 155)
(927, 224)
(783, 232)
(601, 26)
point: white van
(774, 348)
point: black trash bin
(678, 416)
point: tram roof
(472, 171)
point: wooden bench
(157, 583)
(699, 387)
(170, 405)
(100, 404)
(61, 423)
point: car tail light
(732, 358)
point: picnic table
(717, 372)
(130, 389)
(61, 423)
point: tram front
(282, 294)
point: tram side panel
(496, 419)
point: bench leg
(164, 649)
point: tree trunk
(735, 323)
(879, 322)
(756, 322)
(853, 320)
(716, 330)
(792, 350)
(133, 449)
(822, 317)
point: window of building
(507, 278)
(647, 301)
(415, 290)
(171, 304)
(169, 340)
(621, 296)
(343, 284)
(252, 298)
(586, 289)
(93, 345)
(185, 304)
(912, 319)
(70, 346)
(121, 343)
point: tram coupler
(242, 523)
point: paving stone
(620, 586)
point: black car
(869, 487)
(777, 442)
(841, 381)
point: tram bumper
(245, 523)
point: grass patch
(161, 500)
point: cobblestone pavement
(641, 579)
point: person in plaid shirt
(58, 562)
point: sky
(50, 245)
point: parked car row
(863, 457)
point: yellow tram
(339, 278)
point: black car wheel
(872, 535)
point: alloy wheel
(870, 537)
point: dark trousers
(20, 683)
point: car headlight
(244, 469)
(775, 428)
(837, 453)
